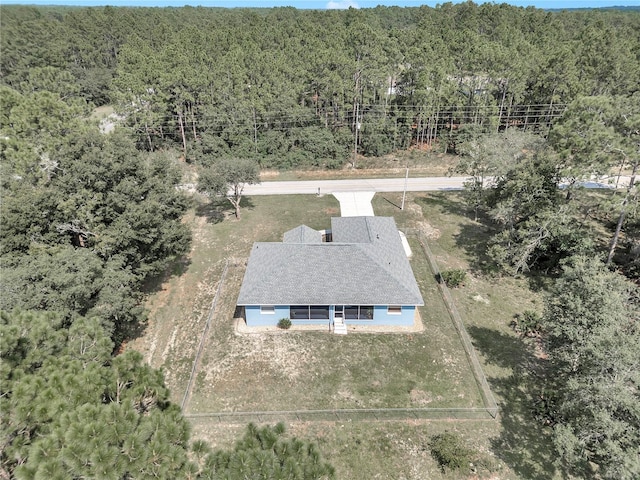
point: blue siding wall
(380, 317)
(256, 319)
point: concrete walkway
(355, 204)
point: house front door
(338, 312)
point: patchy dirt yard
(239, 371)
(294, 370)
(298, 370)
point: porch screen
(309, 312)
(358, 312)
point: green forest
(90, 212)
(289, 88)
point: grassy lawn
(179, 308)
(294, 370)
(299, 370)
(382, 450)
(317, 370)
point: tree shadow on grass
(447, 202)
(474, 240)
(214, 210)
(247, 203)
(217, 209)
(473, 237)
(524, 444)
(176, 268)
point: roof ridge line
(366, 222)
(390, 271)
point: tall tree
(70, 410)
(537, 228)
(597, 134)
(492, 156)
(81, 238)
(627, 126)
(227, 178)
(592, 322)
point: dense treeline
(582, 245)
(292, 88)
(591, 322)
(88, 218)
(85, 226)
(69, 409)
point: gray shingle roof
(302, 234)
(371, 268)
(351, 229)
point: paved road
(356, 185)
(423, 184)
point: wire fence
(488, 411)
(347, 415)
(485, 391)
(207, 325)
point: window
(357, 312)
(267, 310)
(299, 313)
(309, 312)
(351, 312)
(319, 312)
(394, 310)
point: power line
(390, 109)
(286, 121)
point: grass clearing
(422, 163)
(382, 450)
(243, 372)
(295, 370)
(179, 307)
(102, 112)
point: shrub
(528, 323)
(284, 323)
(453, 278)
(450, 453)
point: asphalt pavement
(356, 185)
(419, 184)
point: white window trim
(389, 307)
(267, 310)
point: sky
(321, 4)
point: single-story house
(357, 274)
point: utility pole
(404, 194)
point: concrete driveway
(355, 204)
